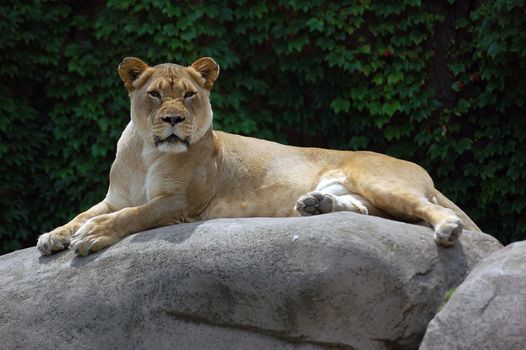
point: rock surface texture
(334, 281)
(488, 310)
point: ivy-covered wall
(442, 84)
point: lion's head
(170, 104)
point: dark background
(442, 84)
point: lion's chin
(172, 147)
(171, 144)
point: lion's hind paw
(448, 231)
(314, 203)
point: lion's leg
(411, 204)
(447, 225)
(59, 239)
(313, 203)
(329, 196)
(104, 230)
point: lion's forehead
(170, 71)
(168, 68)
(171, 76)
(169, 83)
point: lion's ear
(129, 70)
(208, 69)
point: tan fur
(171, 167)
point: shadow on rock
(47, 259)
(454, 259)
(175, 234)
(79, 261)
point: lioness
(171, 167)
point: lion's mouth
(173, 138)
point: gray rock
(334, 281)
(488, 310)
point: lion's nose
(172, 119)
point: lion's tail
(445, 202)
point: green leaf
(340, 105)
(359, 93)
(390, 108)
(457, 68)
(462, 145)
(297, 44)
(378, 79)
(315, 24)
(394, 78)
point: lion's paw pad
(314, 203)
(448, 231)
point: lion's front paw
(54, 241)
(96, 234)
(448, 231)
(314, 203)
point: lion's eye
(189, 94)
(155, 94)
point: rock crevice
(488, 310)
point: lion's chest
(188, 185)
